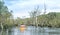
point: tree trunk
(1, 26)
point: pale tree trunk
(2, 26)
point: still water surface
(31, 30)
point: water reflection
(31, 31)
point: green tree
(4, 14)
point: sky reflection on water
(32, 31)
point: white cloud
(21, 15)
(21, 8)
(25, 6)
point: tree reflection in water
(31, 31)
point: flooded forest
(36, 24)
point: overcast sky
(22, 7)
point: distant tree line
(51, 19)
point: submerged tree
(34, 14)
